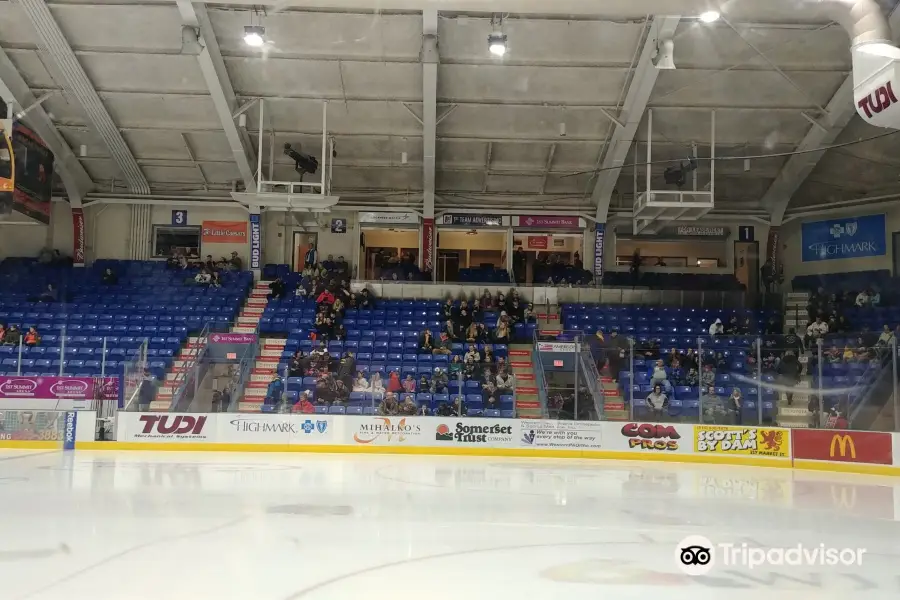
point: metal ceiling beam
(14, 91)
(636, 99)
(77, 82)
(823, 132)
(430, 58)
(218, 83)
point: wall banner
(748, 441)
(255, 243)
(598, 250)
(561, 434)
(60, 388)
(428, 245)
(224, 232)
(548, 222)
(851, 237)
(78, 237)
(389, 218)
(473, 220)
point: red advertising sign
(224, 232)
(871, 447)
(78, 236)
(548, 221)
(428, 244)
(538, 242)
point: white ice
(173, 526)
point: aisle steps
(262, 373)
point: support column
(430, 59)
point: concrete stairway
(176, 375)
(521, 363)
(797, 414)
(795, 312)
(262, 373)
(252, 311)
(614, 408)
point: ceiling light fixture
(254, 35)
(710, 16)
(497, 39)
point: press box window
(167, 239)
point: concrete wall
(791, 247)
(18, 237)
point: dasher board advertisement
(431, 431)
(867, 447)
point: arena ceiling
(525, 130)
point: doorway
(302, 243)
(895, 239)
(448, 265)
(746, 265)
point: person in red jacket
(394, 384)
(325, 297)
(303, 405)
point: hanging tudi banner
(224, 232)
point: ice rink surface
(198, 526)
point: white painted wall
(108, 231)
(18, 237)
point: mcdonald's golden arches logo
(842, 443)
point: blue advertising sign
(850, 237)
(598, 250)
(255, 243)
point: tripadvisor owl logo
(443, 434)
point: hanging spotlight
(709, 16)
(497, 39)
(254, 35)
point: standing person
(735, 403)
(147, 391)
(312, 257)
(635, 267)
(274, 393)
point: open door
(302, 243)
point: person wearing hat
(439, 382)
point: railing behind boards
(574, 295)
(188, 380)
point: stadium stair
(795, 311)
(528, 404)
(262, 374)
(252, 311)
(176, 374)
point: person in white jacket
(817, 328)
(717, 328)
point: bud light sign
(255, 243)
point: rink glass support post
(700, 387)
(759, 394)
(631, 382)
(820, 402)
(895, 397)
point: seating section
(384, 340)
(674, 281)
(148, 302)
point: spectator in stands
(366, 300)
(146, 391)
(443, 345)
(505, 383)
(456, 367)
(451, 330)
(408, 406)
(842, 325)
(834, 355)
(789, 369)
(278, 289)
(501, 334)
(426, 341)
(491, 397)
(377, 383)
(12, 337)
(886, 338)
(768, 276)
(473, 354)
(409, 385)
(215, 280)
(836, 420)
(529, 316)
(448, 310)
(235, 263)
(110, 278)
(713, 408)
(692, 378)
(708, 375)
(443, 410)
(339, 332)
(303, 404)
(635, 268)
(459, 408)
(717, 328)
(863, 299)
(389, 406)
(773, 327)
(32, 338)
(203, 277)
(2, 333)
(298, 365)
(734, 327)
(360, 384)
(311, 258)
(472, 332)
(209, 264)
(341, 394)
(658, 375)
(346, 368)
(487, 301)
(657, 403)
(817, 329)
(274, 392)
(439, 381)
(735, 402)
(470, 370)
(394, 385)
